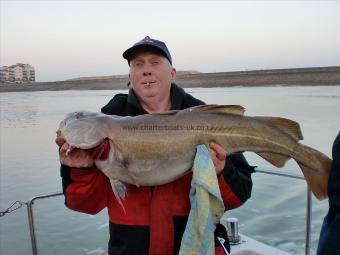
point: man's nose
(146, 70)
(146, 73)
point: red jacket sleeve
(85, 189)
(235, 181)
(230, 199)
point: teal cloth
(206, 207)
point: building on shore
(19, 73)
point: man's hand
(75, 158)
(218, 155)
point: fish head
(82, 129)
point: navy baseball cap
(145, 44)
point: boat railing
(308, 206)
(55, 194)
(31, 217)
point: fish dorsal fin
(213, 108)
(171, 112)
(277, 160)
(290, 127)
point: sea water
(29, 166)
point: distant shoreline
(316, 76)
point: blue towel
(206, 207)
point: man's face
(151, 75)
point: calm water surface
(29, 166)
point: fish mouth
(75, 142)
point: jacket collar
(177, 95)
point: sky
(69, 39)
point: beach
(315, 76)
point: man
(329, 242)
(155, 217)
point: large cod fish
(154, 149)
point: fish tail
(317, 177)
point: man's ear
(173, 74)
(129, 81)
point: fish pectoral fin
(119, 190)
(290, 127)
(212, 108)
(277, 160)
